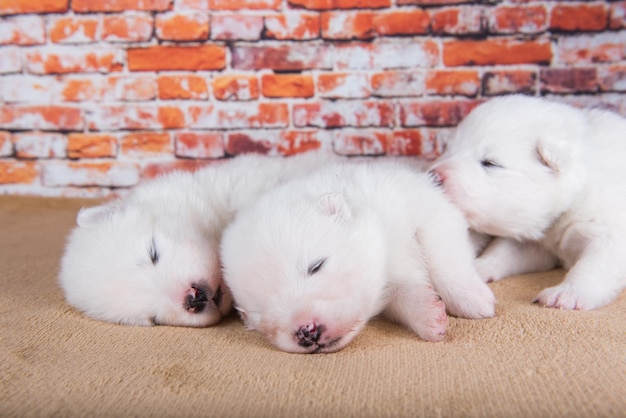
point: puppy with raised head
(310, 262)
(549, 181)
(152, 257)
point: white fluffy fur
(549, 180)
(107, 270)
(332, 249)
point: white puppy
(311, 261)
(152, 257)
(550, 181)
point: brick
(18, 172)
(27, 88)
(182, 26)
(348, 25)
(132, 87)
(74, 30)
(239, 115)
(8, 7)
(135, 117)
(398, 83)
(143, 144)
(518, 19)
(612, 78)
(498, 82)
(457, 21)
(91, 145)
(384, 54)
(87, 173)
(409, 22)
(245, 4)
(236, 27)
(435, 112)
(6, 145)
(287, 85)
(22, 30)
(424, 3)
(568, 80)
(10, 60)
(153, 170)
(422, 142)
(496, 52)
(359, 142)
(162, 58)
(182, 87)
(79, 89)
(40, 145)
(127, 28)
(343, 85)
(41, 117)
(292, 25)
(255, 142)
(340, 4)
(453, 82)
(294, 57)
(579, 17)
(69, 59)
(85, 6)
(344, 113)
(297, 142)
(604, 47)
(235, 87)
(617, 18)
(200, 144)
(367, 25)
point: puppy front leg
(506, 257)
(418, 307)
(594, 280)
(449, 255)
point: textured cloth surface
(528, 361)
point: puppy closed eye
(487, 163)
(316, 266)
(153, 253)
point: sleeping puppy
(152, 257)
(311, 261)
(549, 180)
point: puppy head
(306, 271)
(145, 260)
(513, 165)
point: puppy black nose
(309, 334)
(196, 299)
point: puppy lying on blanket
(152, 257)
(311, 261)
(549, 180)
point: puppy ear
(554, 154)
(87, 217)
(335, 205)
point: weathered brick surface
(33, 6)
(193, 26)
(201, 144)
(91, 145)
(287, 85)
(163, 58)
(98, 94)
(40, 145)
(22, 30)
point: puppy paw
(488, 270)
(432, 321)
(563, 297)
(474, 301)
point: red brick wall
(97, 94)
